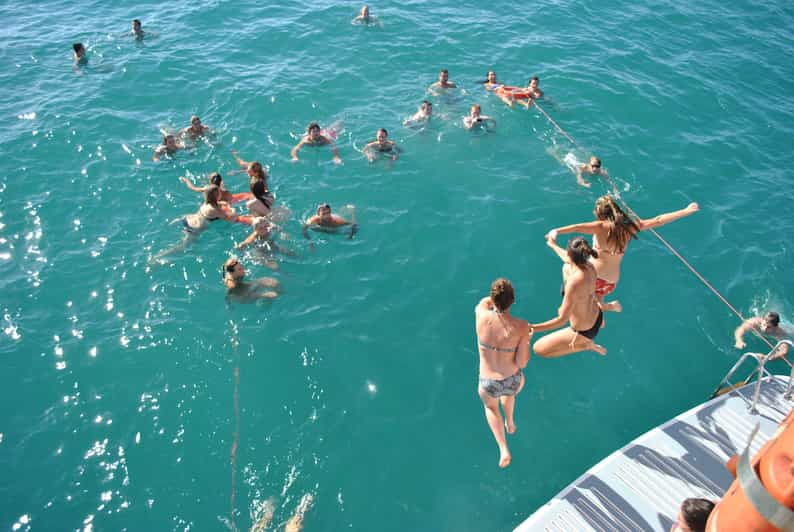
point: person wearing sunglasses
(237, 288)
(591, 168)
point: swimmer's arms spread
(190, 185)
(666, 218)
(587, 228)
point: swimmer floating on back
(325, 220)
(381, 145)
(169, 147)
(612, 231)
(315, 137)
(421, 116)
(476, 120)
(522, 95)
(246, 291)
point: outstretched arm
(562, 314)
(297, 147)
(587, 228)
(190, 185)
(248, 241)
(742, 329)
(242, 163)
(335, 152)
(556, 248)
(580, 179)
(666, 218)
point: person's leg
(295, 524)
(187, 239)
(497, 426)
(267, 281)
(509, 405)
(565, 342)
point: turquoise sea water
(358, 385)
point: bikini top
(494, 348)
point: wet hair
(216, 179)
(312, 125)
(136, 21)
(622, 228)
(502, 294)
(260, 192)
(444, 71)
(772, 318)
(696, 513)
(579, 251)
(534, 78)
(212, 194)
(194, 117)
(258, 169)
(425, 102)
(78, 47)
(596, 161)
(323, 206)
(384, 130)
(476, 106)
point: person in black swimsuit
(579, 305)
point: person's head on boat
(771, 321)
(502, 294)
(623, 227)
(693, 515)
(579, 251)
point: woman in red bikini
(612, 231)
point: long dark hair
(621, 227)
(260, 192)
(579, 251)
(212, 194)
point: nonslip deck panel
(641, 486)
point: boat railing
(759, 371)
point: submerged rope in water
(236, 434)
(667, 244)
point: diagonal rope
(667, 244)
(236, 434)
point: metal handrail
(759, 372)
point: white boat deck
(641, 486)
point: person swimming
(196, 129)
(421, 116)
(579, 306)
(503, 346)
(263, 236)
(137, 29)
(591, 168)
(262, 202)
(315, 137)
(194, 224)
(364, 17)
(254, 169)
(612, 231)
(268, 509)
(442, 83)
(238, 289)
(168, 148)
(490, 82)
(216, 179)
(381, 145)
(522, 95)
(477, 120)
(79, 54)
(326, 220)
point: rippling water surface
(358, 385)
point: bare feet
(600, 349)
(510, 425)
(504, 458)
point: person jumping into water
(612, 231)
(579, 306)
(503, 345)
(315, 137)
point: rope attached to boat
(236, 434)
(616, 193)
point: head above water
(491, 76)
(136, 25)
(324, 210)
(216, 179)
(533, 81)
(595, 163)
(195, 121)
(427, 107)
(255, 170)
(772, 319)
(502, 294)
(233, 268)
(443, 76)
(475, 110)
(79, 49)
(169, 141)
(579, 251)
(694, 514)
(382, 134)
